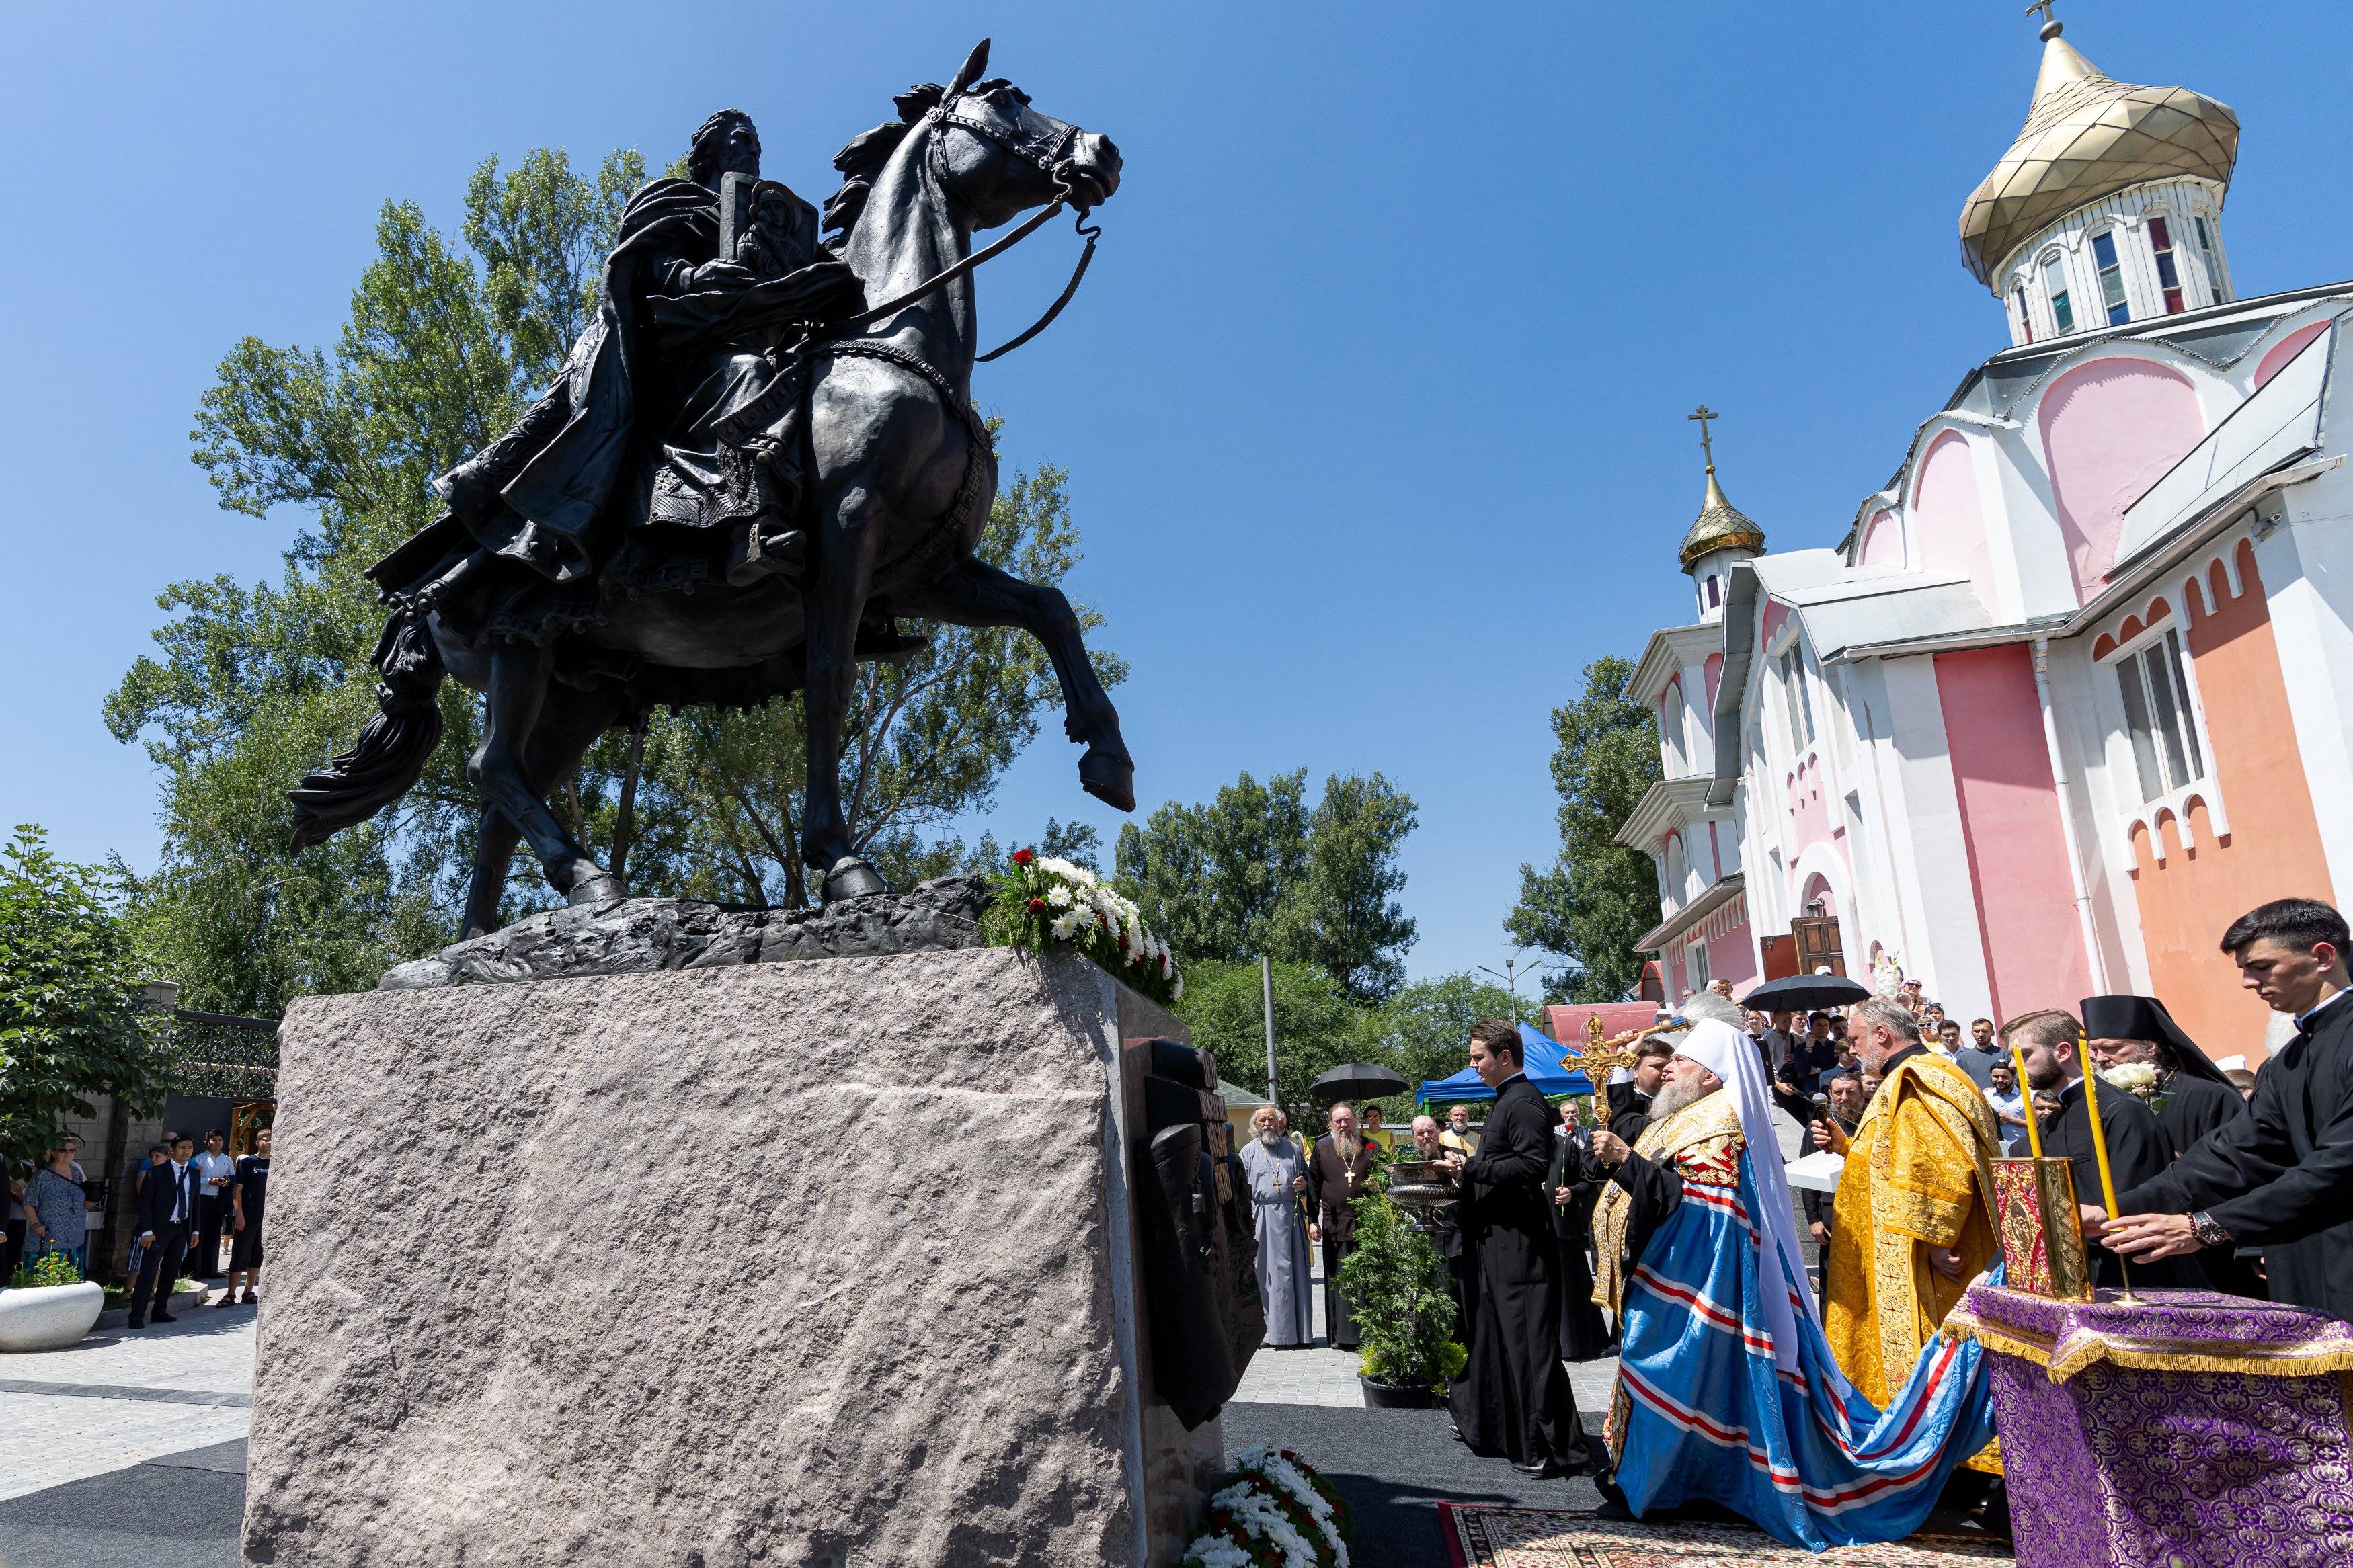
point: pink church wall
(1883, 541)
(1948, 520)
(2286, 348)
(2110, 430)
(2010, 826)
(1776, 612)
(1732, 957)
(1810, 819)
(1713, 669)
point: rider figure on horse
(670, 450)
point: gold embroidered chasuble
(1918, 1175)
(1704, 1142)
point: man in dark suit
(2281, 1177)
(169, 1204)
(1514, 1400)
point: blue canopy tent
(1547, 1069)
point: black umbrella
(1804, 993)
(1356, 1080)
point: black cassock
(2281, 1178)
(1584, 1330)
(2139, 1151)
(1514, 1401)
(2192, 1108)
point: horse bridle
(1054, 165)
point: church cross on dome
(1704, 413)
(2051, 24)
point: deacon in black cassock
(1514, 1400)
(1336, 1169)
(1584, 1331)
(2139, 1150)
(2192, 1100)
(2279, 1179)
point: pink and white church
(2077, 688)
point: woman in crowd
(53, 1210)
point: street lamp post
(1510, 979)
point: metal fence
(222, 1056)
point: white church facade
(2077, 688)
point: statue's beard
(1674, 1097)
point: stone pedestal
(808, 1263)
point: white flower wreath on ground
(1045, 900)
(1273, 1513)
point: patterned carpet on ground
(1486, 1537)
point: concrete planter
(49, 1317)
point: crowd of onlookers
(187, 1207)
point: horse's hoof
(852, 878)
(1109, 776)
(596, 890)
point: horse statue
(558, 586)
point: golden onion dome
(1719, 526)
(2088, 136)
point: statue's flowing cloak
(1704, 1407)
(1918, 1175)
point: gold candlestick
(2100, 1151)
(2026, 1089)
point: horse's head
(999, 157)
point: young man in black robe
(2282, 1179)
(1514, 1400)
(2193, 1098)
(2139, 1150)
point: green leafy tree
(1316, 1025)
(70, 1024)
(1599, 896)
(1424, 1031)
(252, 685)
(1255, 871)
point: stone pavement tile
(207, 1350)
(46, 1441)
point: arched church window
(2054, 283)
(1715, 593)
(2161, 245)
(2025, 316)
(1670, 725)
(2111, 278)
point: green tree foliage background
(70, 1025)
(1256, 871)
(255, 684)
(1599, 896)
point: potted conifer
(1396, 1284)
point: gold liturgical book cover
(2041, 1234)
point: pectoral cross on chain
(1598, 1060)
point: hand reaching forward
(1609, 1149)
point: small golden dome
(1720, 526)
(2089, 136)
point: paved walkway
(119, 1399)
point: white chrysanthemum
(1177, 990)
(1058, 895)
(1066, 928)
(1263, 1518)
(1215, 1552)
(1292, 1479)
(1068, 870)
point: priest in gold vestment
(1913, 1222)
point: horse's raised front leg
(834, 601)
(569, 722)
(500, 770)
(975, 593)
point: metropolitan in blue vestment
(1727, 1389)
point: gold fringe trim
(2144, 1354)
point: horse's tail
(391, 751)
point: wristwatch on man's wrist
(2208, 1232)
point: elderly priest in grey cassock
(1278, 1178)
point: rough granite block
(805, 1263)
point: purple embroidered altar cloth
(2184, 1430)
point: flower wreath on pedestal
(1272, 1512)
(1043, 903)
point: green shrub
(50, 1268)
(1396, 1285)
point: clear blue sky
(1373, 403)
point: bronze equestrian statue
(744, 475)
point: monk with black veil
(1514, 1400)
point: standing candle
(2026, 1093)
(2099, 1140)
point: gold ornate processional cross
(1598, 1058)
